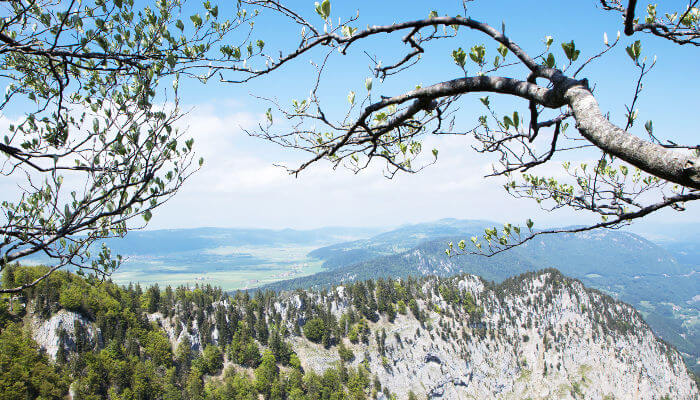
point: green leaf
(507, 121)
(570, 51)
(381, 116)
(651, 13)
(348, 31)
(435, 153)
(402, 147)
(548, 40)
(529, 224)
(485, 100)
(550, 61)
(634, 51)
(459, 56)
(477, 54)
(326, 7)
(147, 215)
(196, 20)
(502, 50)
(351, 97)
(323, 9)
(602, 164)
(691, 17)
(368, 84)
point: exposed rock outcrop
(547, 337)
(60, 330)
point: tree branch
(649, 157)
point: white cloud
(240, 186)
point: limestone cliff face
(61, 330)
(544, 337)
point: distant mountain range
(420, 250)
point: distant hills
(395, 241)
(182, 240)
(420, 250)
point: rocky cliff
(539, 335)
(542, 336)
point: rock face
(547, 337)
(48, 333)
(193, 333)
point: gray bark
(652, 158)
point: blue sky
(240, 187)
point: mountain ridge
(539, 334)
(618, 262)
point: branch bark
(652, 158)
(649, 157)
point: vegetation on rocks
(352, 341)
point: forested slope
(411, 338)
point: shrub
(345, 353)
(213, 359)
(314, 329)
